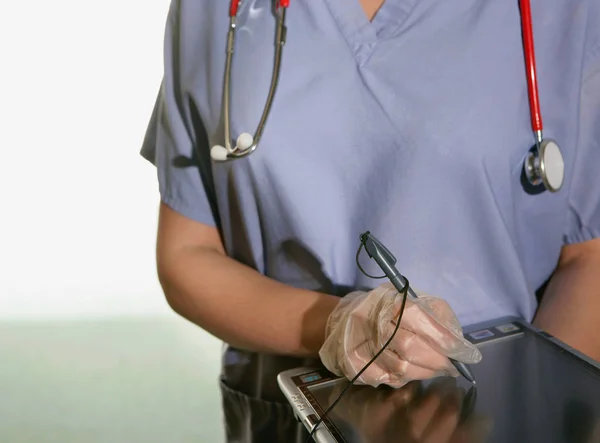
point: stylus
(386, 262)
(462, 368)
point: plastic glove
(428, 336)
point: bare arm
(232, 301)
(570, 308)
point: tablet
(530, 388)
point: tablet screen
(528, 390)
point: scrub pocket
(252, 420)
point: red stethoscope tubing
(235, 4)
(530, 66)
(233, 7)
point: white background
(78, 81)
(84, 327)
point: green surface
(112, 381)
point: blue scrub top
(413, 126)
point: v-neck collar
(361, 34)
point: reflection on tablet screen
(528, 390)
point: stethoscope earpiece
(545, 165)
(244, 143)
(218, 153)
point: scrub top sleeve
(175, 146)
(583, 218)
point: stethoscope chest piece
(545, 165)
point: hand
(428, 336)
(411, 415)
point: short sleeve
(583, 218)
(175, 140)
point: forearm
(570, 309)
(242, 307)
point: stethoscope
(246, 143)
(543, 165)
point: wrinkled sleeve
(174, 143)
(583, 218)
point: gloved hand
(429, 334)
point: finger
(414, 372)
(356, 359)
(404, 371)
(376, 373)
(388, 368)
(362, 349)
(416, 350)
(441, 334)
(431, 316)
(443, 313)
(375, 376)
(442, 427)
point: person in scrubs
(406, 118)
